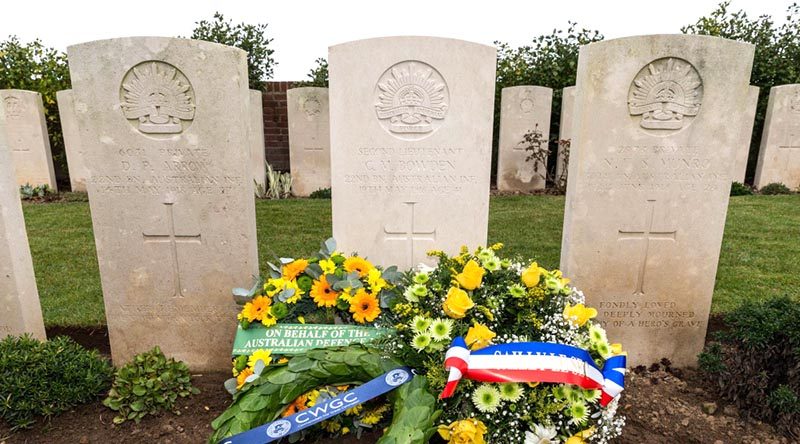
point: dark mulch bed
(663, 405)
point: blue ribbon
(334, 406)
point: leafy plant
(47, 378)
(251, 38)
(322, 193)
(278, 186)
(740, 189)
(538, 151)
(148, 385)
(30, 192)
(318, 75)
(774, 189)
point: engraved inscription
(647, 234)
(791, 137)
(173, 239)
(411, 235)
(157, 98)
(526, 101)
(666, 93)
(14, 107)
(794, 102)
(647, 314)
(411, 100)
(311, 106)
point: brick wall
(276, 127)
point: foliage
(318, 75)
(278, 186)
(280, 385)
(774, 189)
(30, 192)
(250, 38)
(47, 378)
(487, 299)
(539, 151)
(756, 363)
(322, 193)
(740, 189)
(148, 385)
(777, 53)
(34, 67)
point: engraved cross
(173, 239)
(647, 235)
(411, 235)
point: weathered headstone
(72, 141)
(164, 122)
(26, 133)
(648, 189)
(19, 298)
(523, 109)
(411, 136)
(743, 151)
(779, 155)
(258, 154)
(565, 127)
(309, 139)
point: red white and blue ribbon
(534, 362)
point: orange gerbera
(364, 307)
(294, 268)
(323, 294)
(241, 379)
(359, 264)
(298, 405)
(257, 308)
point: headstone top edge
(131, 40)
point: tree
(251, 38)
(318, 74)
(35, 67)
(777, 54)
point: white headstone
(164, 122)
(72, 141)
(258, 153)
(411, 136)
(26, 132)
(740, 167)
(19, 298)
(779, 155)
(522, 109)
(648, 189)
(309, 139)
(565, 126)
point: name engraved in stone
(182, 314)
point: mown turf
(760, 253)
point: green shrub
(30, 192)
(47, 378)
(756, 362)
(148, 385)
(740, 189)
(322, 193)
(775, 188)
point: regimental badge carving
(794, 103)
(666, 93)
(411, 100)
(526, 101)
(14, 107)
(311, 106)
(157, 98)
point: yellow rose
(580, 437)
(466, 431)
(579, 314)
(457, 303)
(470, 278)
(616, 349)
(531, 276)
(479, 336)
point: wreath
(264, 399)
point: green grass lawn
(760, 253)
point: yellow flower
(579, 314)
(328, 266)
(345, 430)
(263, 355)
(331, 426)
(465, 431)
(283, 360)
(301, 319)
(257, 308)
(364, 306)
(376, 283)
(240, 380)
(323, 294)
(580, 437)
(294, 268)
(359, 264)
(531, 276)
(472, 275)
(479, 336)
(354, 410)
(616, 349)
(269, 320)
(313, 395)
(457, 303)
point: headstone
(72, 141)
(258, 153)
(779, 155)
(163, 122)
(648, 189)
(565, 127)
(743, 151)
(26, 132)
(411, 142)
(523, 109)
(309, 139)
(19, 299)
